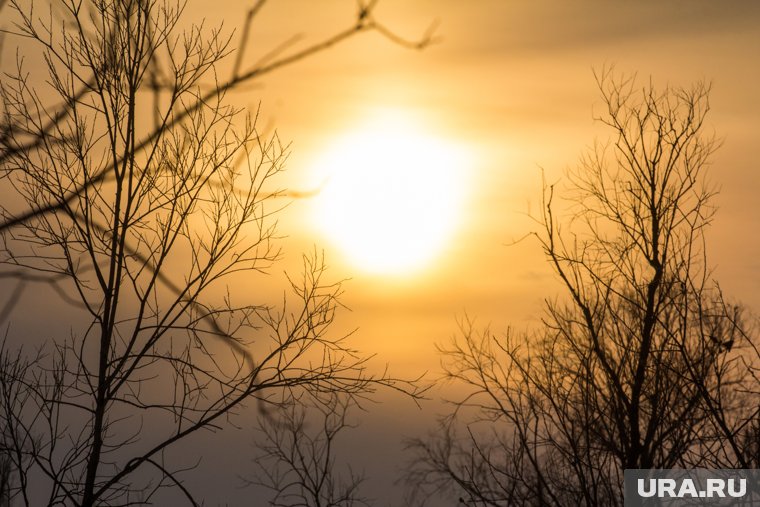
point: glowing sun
(392, 194)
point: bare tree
(297, 458)
(639, 366)
(139, 225)
(15, 140)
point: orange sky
(512, 82)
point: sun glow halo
(392, 195)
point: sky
(512, 84)
(509, 88)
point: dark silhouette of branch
(365, 22)
(142, 234)
(640, 365)
(297, 460)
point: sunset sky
(468, 124)
(511, 87)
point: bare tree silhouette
(27, 137)
(297, 458)
(639, 366)
(139, 225)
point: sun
(392, 194)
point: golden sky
(510, 88)
(511, 82)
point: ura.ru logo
(686, 488)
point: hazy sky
(511, 83)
